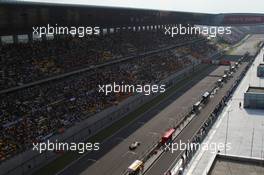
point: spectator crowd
(35, 113)
(23, 63)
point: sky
(203, 6)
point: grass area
(60, 162)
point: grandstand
(237, 35)
(36, 113)
(28, 62)
(49, 85)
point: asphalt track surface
(114, 156)
(164, 162)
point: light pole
(227, 121)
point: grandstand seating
(35, 113)
(236, 35)
(27, 62)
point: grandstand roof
(256, 90)
(18, 17)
